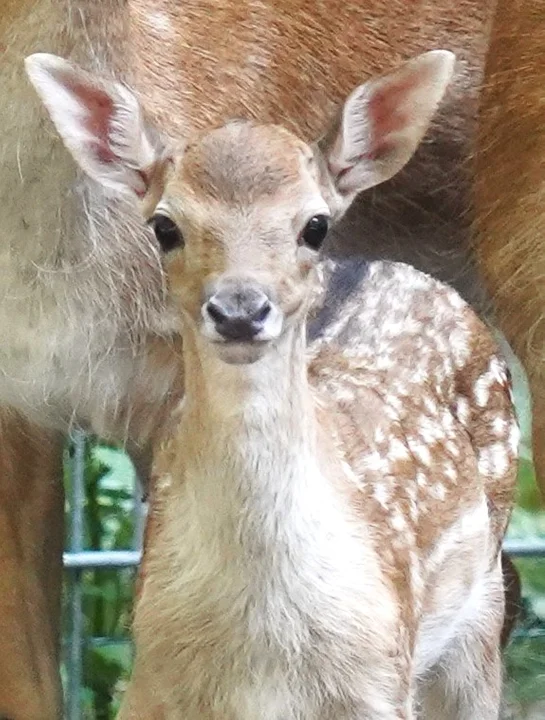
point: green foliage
(525, 657)
(107, 594)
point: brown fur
(510, 192)
(31, 542)
(513, 598)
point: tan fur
(510, 192)
(326, 523)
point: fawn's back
(420, 405)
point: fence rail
(92, 559)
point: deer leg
(141, 458)
(466, 684)
(459, 693)
(31, 542)
(513, 598)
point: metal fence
(77, 560)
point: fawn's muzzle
(239, 315)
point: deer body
(510, 192)
(31, 544)
(325, 541)
(320, 547)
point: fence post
(75, 651)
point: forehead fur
(243, 162)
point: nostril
(239, 316)
(215, 311)
(263, 312)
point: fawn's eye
(315, 231)
(167, 232)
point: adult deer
(326, 539)
(82, 315)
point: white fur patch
(493, 461)
(456, 605)
(160, 23)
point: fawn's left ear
(100, 122)
(382, 122)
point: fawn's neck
(249, 435)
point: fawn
(330, 501)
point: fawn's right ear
(100, 123)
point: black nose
(239, 315)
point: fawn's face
(248, 211)
(242, 213)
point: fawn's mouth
(245, 352)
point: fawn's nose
(239, 315)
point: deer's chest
(279, 623)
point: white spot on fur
(396, 403)
(459, 347)
(493, 461)
(160, 22)
(384, 362)
(438, 491)
(456, 301)
(381, 495)
(462, 410)
(497, 370)
(514, 438)
(421, 452)
(421, 479)
(397, 451)
(450, 471)
(398, 522)
(430, 430)
(499, 426)
(482, 387)
(452, 448)
(373, 461)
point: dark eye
(167, 233)
(315, 231)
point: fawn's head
(241, 212)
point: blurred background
(104, 513)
